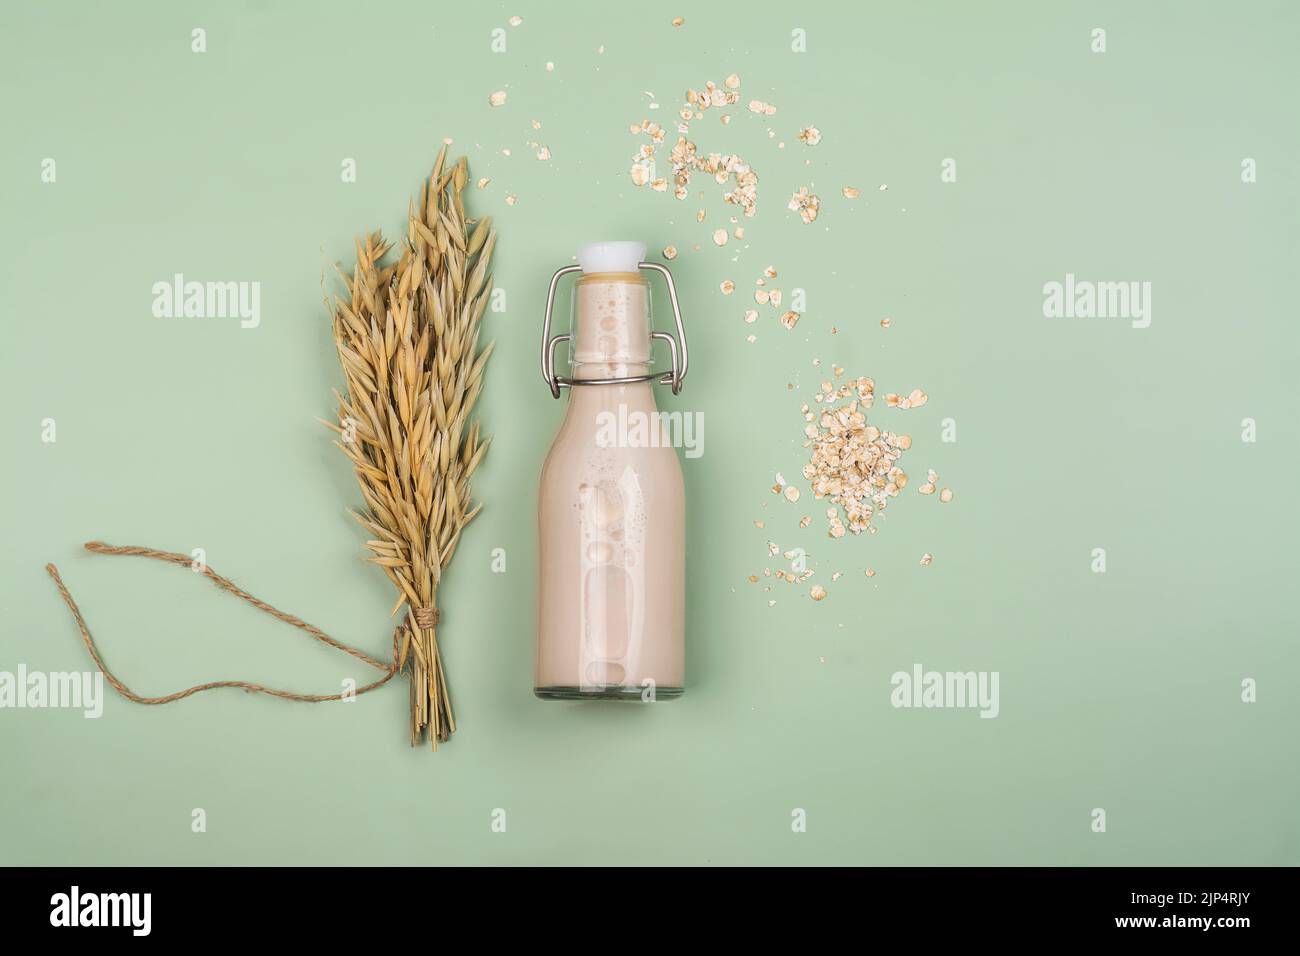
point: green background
(1118, 691)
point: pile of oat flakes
(854, 464)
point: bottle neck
(587, 401)
(611, 326)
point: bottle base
(605, 692)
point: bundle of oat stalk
(408, 339)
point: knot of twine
(184, 560)
(426, 617)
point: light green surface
(1118, 691)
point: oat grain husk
(407, 334)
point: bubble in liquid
(600, 552)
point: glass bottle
(611, 508)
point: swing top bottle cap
(611, 256)
(611, 311)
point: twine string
(98, 547)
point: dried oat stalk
(407, 335)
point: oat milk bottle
(611, 510)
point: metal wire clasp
(674, 378)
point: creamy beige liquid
(611, 601)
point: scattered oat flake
(870, 572)
(550, 67)
(914, 399)
(511, 199)
(763, 109)
(751, 339)
(759, 523)
(945, 495)
(515, 21)
(791, 493)
(732, 82)
(837, 575)
(852, 192)
(727, 287)
(810, 135)
(498, 98)
(720, 237)
(886, 322)
(818, 592)
(789, 319)
(544, 153)
(729, 171)
(678, 21)
(926, 559)
(670, 252)
(805, 203)
(483, 183)
(927, 489)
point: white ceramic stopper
(611, 256)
